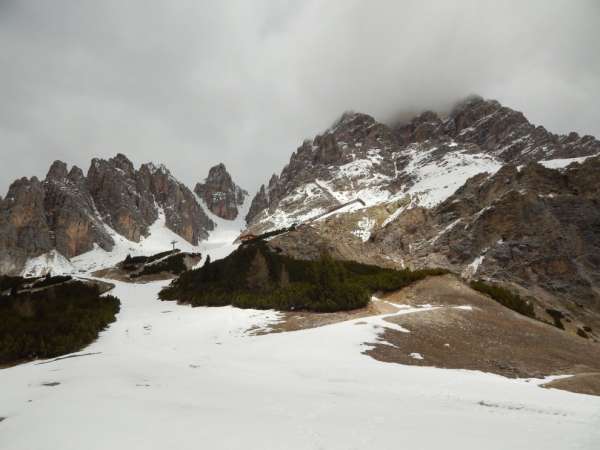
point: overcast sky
(195, 83)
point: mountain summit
(221, 195)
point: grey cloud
(192, 83)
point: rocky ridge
(72, 213)
(482, 192)
(220, 194)
(427, 158)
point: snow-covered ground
(168, 376)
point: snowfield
(170, 376)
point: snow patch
(564, 162)
(52, 263)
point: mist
(191, 84)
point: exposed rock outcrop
(360, 157)
(221, 195)
(69, 212)
(123, 201)
(23, 227)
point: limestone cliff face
(220, 193)
(124, 203)
(23, 227)
(70, 212)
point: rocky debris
(68, 212)
(221, 195)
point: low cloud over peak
(194, 83)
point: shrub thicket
(49, 281)
(54, 321)
(19, 283)
(505, 297)
(7, 282)
(255, 277)
(174, 264)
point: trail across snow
(170, 376)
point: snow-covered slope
(52, 263)
(425, 175)
(170, 376)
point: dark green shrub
(49, 281)
(505, 297)
(7, 282)
(255, 277)
(557, 317)
(54, 321)
(173, 264)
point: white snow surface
(170, 376)
(438, 179)
(364, 227)
(53, 263)
(562, 163)
(435, 178)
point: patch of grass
(505, 297)
(54, 321)
(255, 277)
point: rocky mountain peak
(69, 211)
(123, 162)
(58, 171)
(76, 175)
(220, 194)
(425, 159)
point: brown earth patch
(489, 337)
(582, 383)
(302, 320)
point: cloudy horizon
(191, 84)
